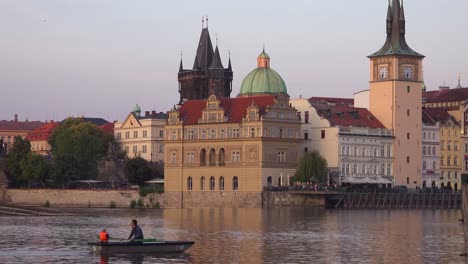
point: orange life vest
(103, 236)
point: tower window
(408, 112)
(408, 136)
(407, 159)
(408, 88)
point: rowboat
(157, 247)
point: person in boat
(137, 234)
(104, 236)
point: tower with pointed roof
(395, 96)
(208, 75)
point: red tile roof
(347, 116)
(20, 125)
(446, 95)
(439, 115)
(108, 127)
(235, 109)
(349, 101)
(43, 132)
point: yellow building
(395, 97)
(39, 138)
(142, 136)
(221, 152)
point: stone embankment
(78, 198)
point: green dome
(136, 109)
(263, 81)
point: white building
(430, 151)
(355, 144)
(142, 136)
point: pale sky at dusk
(99, 58)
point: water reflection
(287, 235)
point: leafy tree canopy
(312, 167)
(138, 171)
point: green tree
(35, 169)
(138, 171)
(77, 147)
(20, 150)
(312, 167)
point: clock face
(383, 72)
(408, 72)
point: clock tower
(395, 97)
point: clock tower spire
(395, 96)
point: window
(455, 146)
(363, 152)
(382, 151)
(449, 175)
(173, 157)
(355, 169)
(306, 117)
(145, 134)
(235, 156)
(212, 183)
(363, 169)
(221, 157)
(306, 135)
(298, 114)
(235, 183)
(161, 148)
(221, 183)
(433, 151)
(189, 183)
(161, 133)
(235, 133)
(407, 180)
(212, 134)
(173, 135)
(408, 114)
(466, 148)
(203, 134)
(252, 132)
(355, 151)
(448, 161)
(407, 159)
(389, 170)
(127, 149)
(408, 89)
(222, 133)
(281, 133)
(281, 156)
(202, 183)
(434, 165)
(190, 134)
(424, 135)
(343, 150)
(127, 135)
(347, 168)
(442, 161)
(203, 157)
(424, 165)
(190, 157)
(135, 149)
(455, 161)
(342, 169)
(382, 169)
(375, 169)
(347, 151)
(135, 134)
(322, 134)
(375, 152)
(408, 136)
(424, 151)
(119, 135)
(144, 150)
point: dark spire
(181, 67)
(216, 63)
(396, 43)
(205, 52)
(229, 64)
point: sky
(98, 58)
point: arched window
(203, 157)
(235, 183)
(347, 151)
(189, 183)
(355, 151)
(343, 151)
(355, 169)
(424, 165)
(363, 152)
(202, 183)
(222, 157)
(375, 152)
(212, 157)
(212, 183)
(221, 183)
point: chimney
(153, 113)
(442, 88)
(51, 121)
(147, 113)
(16, 117)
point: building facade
(9, 129)
(430, 151)
(357, 147)
(224, 151)
(208, 75)
(39, 138)
(142, 136)
(395, 96)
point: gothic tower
(395, 97)
(208, 76)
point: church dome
(263, 79)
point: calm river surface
(287, 235)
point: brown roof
(446, 95)
(347, 116)
(349, 101)
(438, 115)
(43, 132)
(20, 125)
(235, 109)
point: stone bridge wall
(285, 199)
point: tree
(35, 169)
(312, 167)
(20, 150)
(77, 147)
(138, 171)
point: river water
(282, 235)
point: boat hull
(162, 247)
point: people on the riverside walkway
(104, 236)
(137, 234)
